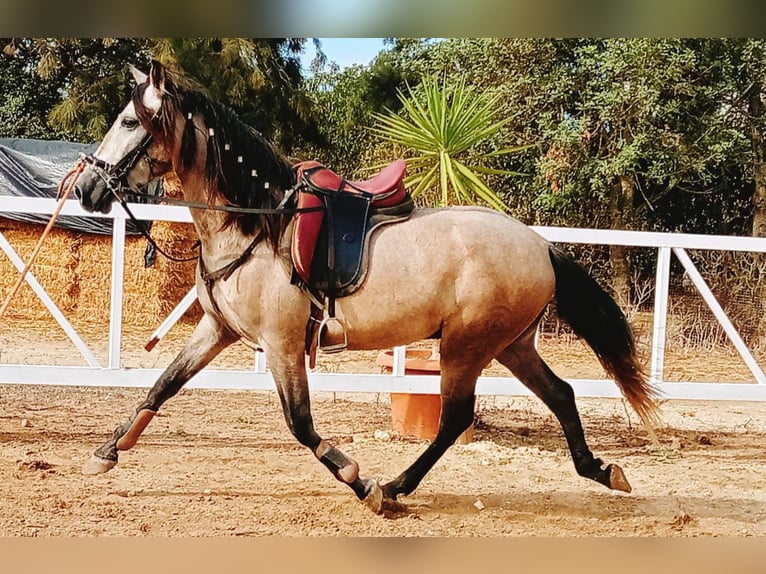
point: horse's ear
(157, 76)
(138, 75)
(156, 88)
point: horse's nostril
(77, 193)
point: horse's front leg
(208, 339)
(292, 385)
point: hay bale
(176, 278)
(54, 268)
(94, 272)
(149, 293)
(176, 239)
(75, 269)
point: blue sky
(344, 51)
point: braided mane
(241, 167)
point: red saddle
(385, 189)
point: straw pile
(54, 269)
(75, 270)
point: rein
(141, 226)
(231, 208)
(113, 177)
(226, 271)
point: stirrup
(336, 347)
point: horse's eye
(130, 123)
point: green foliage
(653, 133)
(26, 101)
(90, 79)
(260, 78)
(84, 81)
(343, 104)
(524, 75)
(442, 124)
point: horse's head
(130, 156)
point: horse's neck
(219, 244)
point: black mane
(241, 166)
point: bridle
(114, 180)
(113, 175)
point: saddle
(329, 247)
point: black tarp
(34, 168)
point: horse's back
(462, 238)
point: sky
(344, 51)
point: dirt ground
(222, 463)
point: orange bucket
(417, 414)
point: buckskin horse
(472, 277)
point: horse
(473, 278)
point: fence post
(660, 314)
(400, 355)
(49, 304)
(720, 314)
(260, 362)
(172, 318)
(118, 278)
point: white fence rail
(114, 374)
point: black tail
(596, 317)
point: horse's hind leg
(458, 384)
(526, 364)
(209, 339)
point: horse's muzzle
(93, 194)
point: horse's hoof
(374, 498)
(98, 465)
(617, 480)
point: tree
(344, 102)
(751, 85)
(259, 77)
(743, 64)
(634, 134)
(530, 79)
(343, 105)
(441, 124)
(27, 99)
(86, 80)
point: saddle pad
(350, 221)
(305, 244)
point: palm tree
(442, 125)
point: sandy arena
(222, 463)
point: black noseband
(113, 175)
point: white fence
(114, 374)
